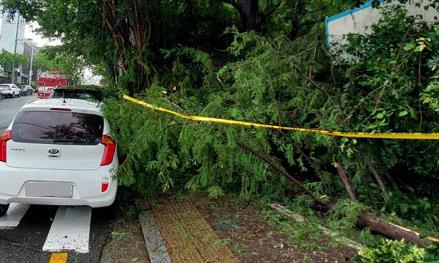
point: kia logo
(53, 151)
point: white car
(58, 152)
(9, 90)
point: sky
(88, 77)
(37, 38)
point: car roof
(73, 104)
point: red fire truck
(48, 80)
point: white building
(12, 30)
(12, 40)
(360, 20)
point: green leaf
(403, 113)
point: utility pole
(15, 49)
(31, 64)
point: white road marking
(70, 230)
(13, 216)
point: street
(31, 233)
(10, 107)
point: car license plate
(49, 189)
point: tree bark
(342, 173)
(131, 36)
(380, 182)
(248, 10)
(251, 17)
(393, 231)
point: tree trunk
(131, 36)
(377, 225)
(380, 182)
(393, 231)
(250, 15)
(342, 173)
(248, 10)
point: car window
(57, 127)
(4, 86)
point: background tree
(8, 59)
(58, 59)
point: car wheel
(3, 209)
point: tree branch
(278, 167)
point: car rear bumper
(86, 186)
(104, 201)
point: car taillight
(110, 148)
(4, 138)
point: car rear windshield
(57, 127)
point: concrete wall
(359, 20)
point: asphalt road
(10, 107)
(25, 242)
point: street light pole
(31, 62)
(15, 49)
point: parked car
(26, 90)
(9, 90)
(58, 152)
(76, 93)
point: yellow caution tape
(408, 136)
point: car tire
(3, 209)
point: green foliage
(303, 234)
(8, 59)
(344, 215)
(392, 251)
(432, 253)
(415, 209)
(271, 79)
(59, 59)
(148, 162)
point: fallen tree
(365, 219)
(380, 226)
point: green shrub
(390, 251)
